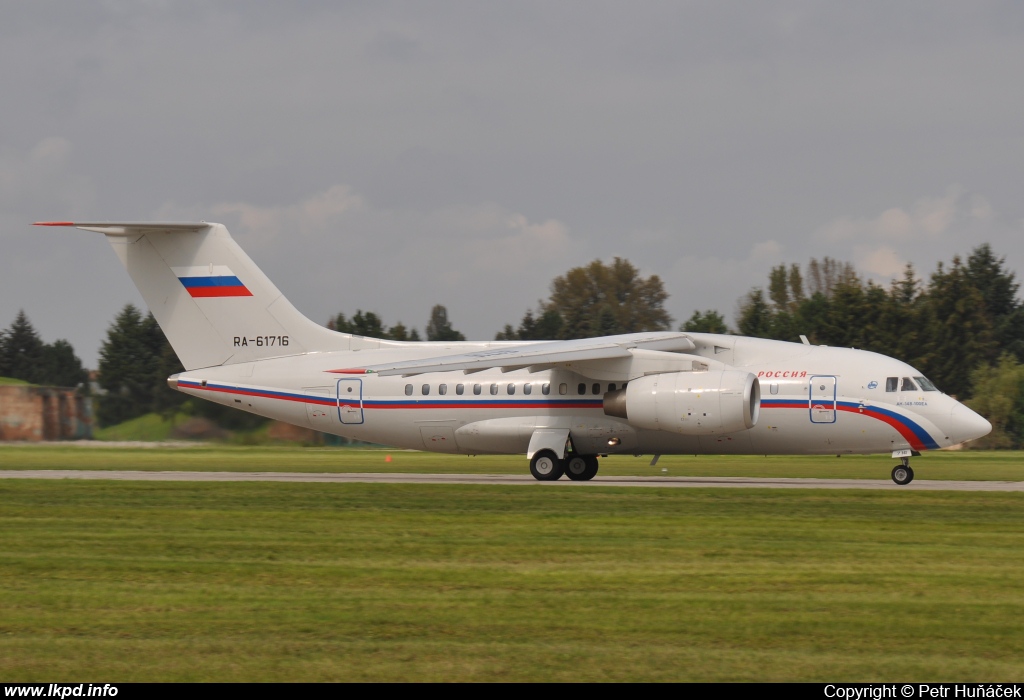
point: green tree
(132, 361)
(967, 315)
(778, 287)
(21, 354)
(709, 321)
(125, 370)
(959, 333)
(60, 366)
(400, 332)
(601, 299)
(369, 325)
(506, 333)
(166, 401)
(901, 326)
(842, 325)
(999, 397)
(755, 317)
(998, 289)
(340, 323)
(796, 285)
(546, 325)
(824, 276)
(439, 328)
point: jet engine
(691, 403)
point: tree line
(963, 327)
(24, 356)
(965, 315)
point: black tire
(546, 466)
(575, 467)
(902, 475)
(591, 467)
(581, 467)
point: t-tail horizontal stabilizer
(214, 304)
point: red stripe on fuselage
(905, 431)
(219, 291)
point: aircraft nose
(966, 424)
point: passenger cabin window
(511, 389)
(425, 389)
(581, 389)
(494, 389)
(891, 383)
(908, 385)
(563, 388)
(460, 389)
(408, 389)
(611, 387)
(545, 388)
(925, 384)
(477, 389)
(595, 389)
(527, 388)
(774, 387)
(442, 389)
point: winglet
(54, 223)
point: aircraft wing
(535, 356)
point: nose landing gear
(902, 474)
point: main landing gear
(546, 466)
(902, 474)
(581, 467)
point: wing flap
(509, 358)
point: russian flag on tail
(211, 281)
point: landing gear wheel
(546, 466)
(581, 468)
(902, 474)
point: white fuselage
(814, 400)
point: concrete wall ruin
(37, 413)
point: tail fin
(214, 304)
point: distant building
(35, 413)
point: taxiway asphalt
(519, 480)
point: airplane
(561, 403)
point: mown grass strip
(969, 465)
(144, 581)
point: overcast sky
(391, 156)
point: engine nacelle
(692, 403)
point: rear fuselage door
(823, 399)
(350, 401)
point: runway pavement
(521, 480)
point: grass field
(1002, 466)
(119, 581)
(150, 427)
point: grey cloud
(660, 131)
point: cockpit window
(908, 385)
(892, 383)
(925, 384)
